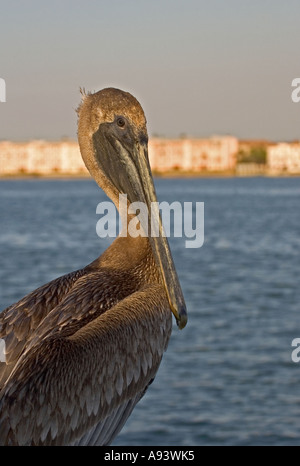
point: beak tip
(182, 318)
(181, 323)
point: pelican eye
(121, 122)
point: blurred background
(197, 67)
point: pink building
(41, 158)
(184, 155)
(215, 154)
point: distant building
(63, 158)
(284, 158)
(41, 158)
(193, 155)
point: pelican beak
(159, 243)
(135, 180)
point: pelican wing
(19, 321)
(82, 387)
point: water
(228, 377)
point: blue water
(228, 377)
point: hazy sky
(197, 67)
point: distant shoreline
(176, 158)
(170, 175)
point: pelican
(82, 350)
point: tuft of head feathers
(104, 105)
(83, 94)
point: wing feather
(19, 321)
(69, 385)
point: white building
(284, 158)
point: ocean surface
(228, 377)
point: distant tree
(183, 136)
(255, 155)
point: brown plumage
(82, 349)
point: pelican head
(113, 140)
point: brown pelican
(82, 349)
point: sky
(198, 68)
